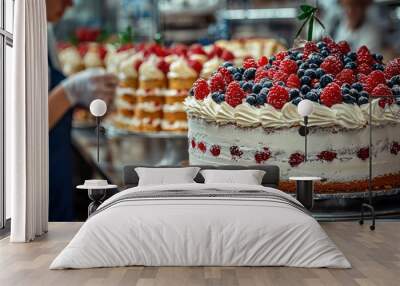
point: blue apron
(60, 161)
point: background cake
(249, 116)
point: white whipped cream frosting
(349, 116)
(127, 66)
(210, 66)
(181, 69)
(149, 70)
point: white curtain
(27, 123)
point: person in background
(64, 94)
(355, 21)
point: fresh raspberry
(327, 156)
(227, 55)
(281, 55)
(83, 48)
(363, 153)
(345, 76)
(215, 150)
(179, 49)
(260, 74)
(385, 101)
(193, 142)
(202, 147)
(249, 63)
(278, 96)
(102, 51)
(137, 64)
(395, 148)
(382, 90)
(226, 74)
(309, 48)
(288, 66)
(163, 66)
(331, 95)
(280, 76)
(332, 65)
(262, 61)
(271, 73)
(327, 39)
(234, 94)
(374, 78)
(334, 48)
(216, 51)
(293, 81)
(364, 56)
(196, 65)
(392, 68)
(344, 47)
(236, 153)
(262, 156)
(364, 69)
(296, 159)
(200, 89)
(217, 83)
(197, 49)
(276, 63)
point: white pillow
(166, 176)
(248, 177)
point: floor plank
(375, 257)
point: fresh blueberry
(191, 92)
(214, 96)
(347, 60)
(316, 59)
(237, 76)
(300, 72)
(264, 91)
(305, 79)
(267, 84)
(232, 70)
(299, 62)
(241, 83)
(313, 66)
(352, 55)
(310, 73)
(389, 83)
(292, 57)
(395, 79)
(354, 92)
(358, 86)
(256, 88)
(297, 100)
(304, 89)
(249, 73)
(268, 66)
(240, 70)
(311, 96)
(362, 100)
(324, 53)
(345, 90)
(299, 56)
(227, 64)
(349, 99)
(325, 80)
(350, 65)
(271, 59)
(377, 66)
(377, 57)
(281, 83)
(321, 45)
(293, 93)
(261, 98)
(396, 90)
(247, 86)
(304, 66)
(320, 72)
(364, 94)
(251, 99)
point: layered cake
(248, 115)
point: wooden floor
(375, 257)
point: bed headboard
(270, 179)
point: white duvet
(190, 231)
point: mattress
(201, 225)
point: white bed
(224, 225)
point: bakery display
(247, 115)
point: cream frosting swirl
(181, 69)
(149, 70)
(127, 66)
(210, 66)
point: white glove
(85, 86)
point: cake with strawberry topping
(247, 115)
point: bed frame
(270, 179)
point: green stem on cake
(308, 14)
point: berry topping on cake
(227, 55)
(327, 156)
(363, 153)
(215, 150)
(225, 74)
(373, 79)
(345, 76)
(332, 65)
(163, 66)
(278, 96)
(236, 153)
(200, 89)
(193, 143)
(382, 90)
(343, 47)
(309, 48)
(296, 159)
(364, 69)
(293, 81)
(202, 147)
(331, 95)
(250, 63)
(234, 94)
(392, 68)
(196, 65)
(262, 61)
(395, 148)
(217, 83)
(364, 56)
(262, 156)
